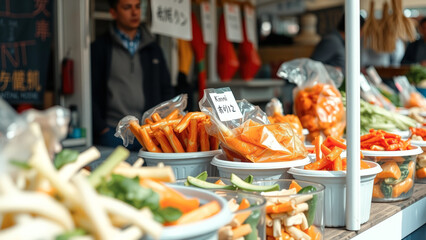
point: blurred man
(129, 73)
(416, 51)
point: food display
(418, 137)
(397, 158)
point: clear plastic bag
(408, 94)
(274, 110)
(251, 138)
(165, 108)
(317, 101)
(372, 95)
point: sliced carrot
(244, 204)
(337, 164)
(198, 214)
(336, 142)
(334, 154)
(421, 173)
(364, 165)
(377, 192)
(313, 232)
(411, 168)
(402, 187)
(318, 142)
(280, 207)
(295, 185)
(390, 169)
(220, 182)
(325, 150)
(318, 164)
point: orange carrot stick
(364, 165)
(135, 129)
(335, 153)
(164, 143)
(294, 185)
(244, 204)
(148, 141)
(192, 138)
(214, 143)
(204, 138)
(184, 123)
(318, 142)
(318, 164)
(335, 142)
(173, 115)
(325, 150)
(156, 117)
(173, 140)
(337, 164)
(281, 207)
(203, 212)
(164, 122)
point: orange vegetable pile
(293, 120)
(256, 142)
(237, 228)
(320, 109)
(328, 157)
(379, 140)
(290, 213)
(175, 133)
(190, 207)
(419, 132)
(415, 100)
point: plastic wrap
(317, 102)
(165, 108)
(372, 95)
(408, 94)
(251, 137)
(274, 110)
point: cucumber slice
(202, 176)
(249, 179)
(310, 215)
(206, 185)
(241, 184)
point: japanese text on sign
(226, 106)
(206, 21)
(233, 23)
(172, 18)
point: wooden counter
(414, 217)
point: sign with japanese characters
(250, 24)
(172, 18)
(25, 41)
(226, 106)
(206, 21)
(234, 31)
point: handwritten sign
(24, 49)
(226, 106)
(172, 18)
(206, 21)
(233, 26)
(250, 24)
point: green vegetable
(386, 189)
(129, 191)
(20, 164)
(404, 175)
(394, 98)
(207, 185)
(64, 157)
(120, 154)
(202, 176)
(241, 184)
(253, 220)
(416, 74)
(310, 215)
(70, 234)
(249, 179)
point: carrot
(364, 165)
(325, 150)
(367, 136)
(318, 164)
(244, 204)
(192, 141)
(337, 164)
(334, 154)
(239, 218)
(164, 143)
(281, 207)
(148, 141)
(204, 137)
(336, 142)
(198, 214)
(421, 173)
(135, 129)
(390, 169)
(214, 143)
(318, 142)
(313, 233)
(295, 185)
(220, 182)
(173, 115)
(173, 140)
(170, 197)
(402, 187)
(377, 192)
(411, 168)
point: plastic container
(181, 182)
(315, 212)
(260, 171)
(204, 230)
(420, 163)
(403, 162)
(183, 164)
(403, 134)
(335, 191)
(256, 213)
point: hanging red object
(249, 58)
(227, 61)
(199, 47)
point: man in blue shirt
(129, 73)
(416, 51)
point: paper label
(172, 18)
(250, 24)
(374, 76)
(234, 31)
(226, 106)
(206, 22)
(365, 86)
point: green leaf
(64, 157)
(169, 214)
(71, 234)
(20, 164)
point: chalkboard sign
(25, 41)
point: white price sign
(172, 18)
(250, 24)
(206, 22)
(233, 26)
(365, 86)
(226, 106)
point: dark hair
(113, 3)
(422, 21)
(341, 25)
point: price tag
(233, 23)
(172, 18)
(365, 86)
(206, 22)
(226, 106)
(250, 24)
(374, 76)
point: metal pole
(352, 41)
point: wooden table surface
(378, 213)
